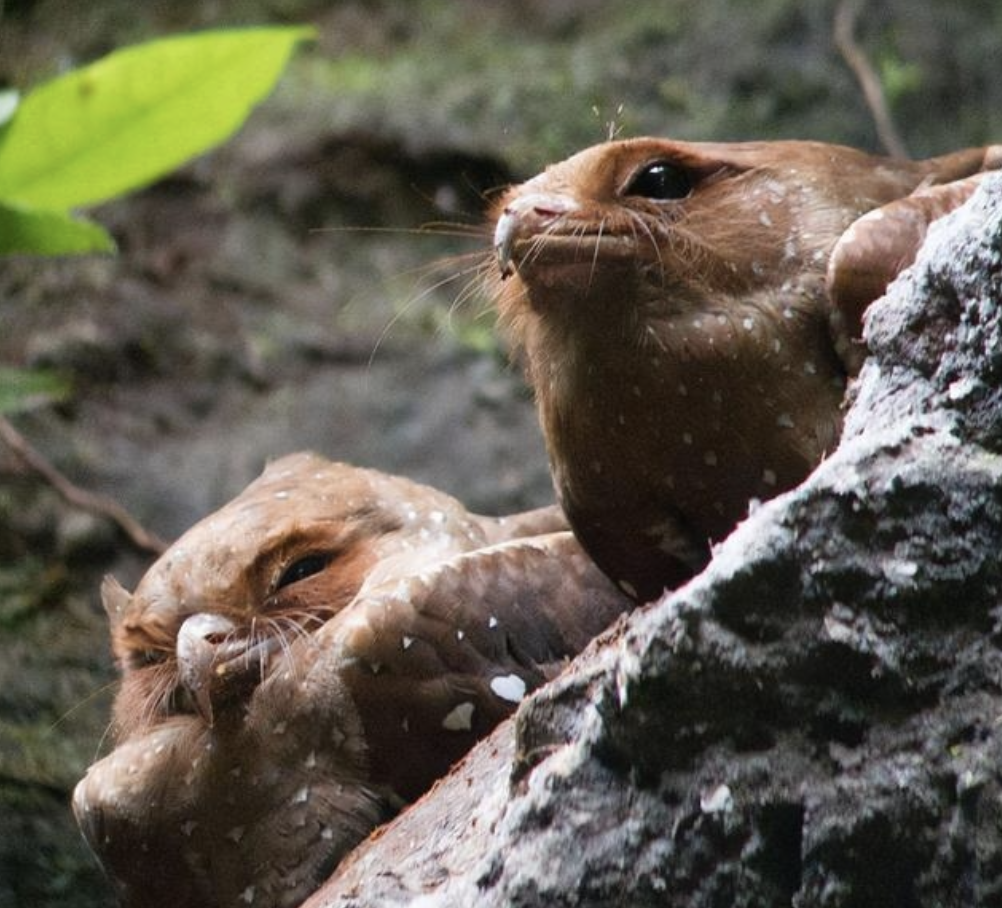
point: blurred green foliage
(120, 123)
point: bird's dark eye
(661, 181)
(305, 567)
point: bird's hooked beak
(217, 660)
(524, 218)
(504, 240)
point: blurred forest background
(280, 294)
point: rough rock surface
(813, 721)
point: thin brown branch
(846, 14)
(138, 535)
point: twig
(138, 535)
(846, 14)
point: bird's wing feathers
(875, 249)
(435, 660)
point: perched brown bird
(307, 659)
(688, 330)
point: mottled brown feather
(684, 351)
(265, 727)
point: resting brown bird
(306, 660)
(689, 314)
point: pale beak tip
(504, 242)
(505, 267)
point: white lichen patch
(719, 800)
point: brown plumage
(307, 659)
(687, 341)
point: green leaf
(23, 230)
(137, 114)
(23, 390)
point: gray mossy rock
(814, 720)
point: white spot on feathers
(460, 718)
(509, 687)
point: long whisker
(157, 703)
(105, 735)
(103, 689)
(282, 629)
(594, 258)
(416, 298)
(637, 219)
(432, 229)
(299, 625)
(471, 289)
